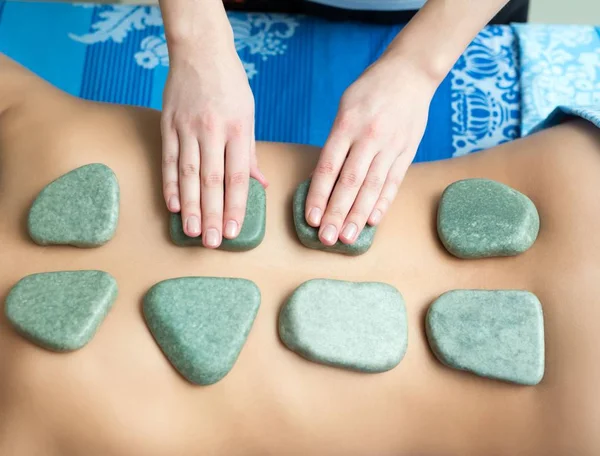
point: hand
(379, 125)
(208, 142)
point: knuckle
(212, 180)
(170, 187)
(325, 168)
(191, 206)
(211, 216)
(344, 121)
(169, 160)
(237, 179)
(189, 170)
(336, 212)
(349, 179)
(374, 183)
(372, 129)
(207, 122)
(384, 202)
(236, 128)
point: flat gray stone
(61, 311)
(480, 218)
(251, 234)
(309, 236)
(357, 326)
(201, 323)
(80, 208)
(495, 334)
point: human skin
(208, 120)
(120, 396)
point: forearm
(195, 26)
(438, 34)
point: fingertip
(173, 204)
(313, 216)
(375, 217)
(328, 235)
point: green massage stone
(309, 236)
(480, 218)
(80, 208)
(495, 334)
(61, 311)
(357, 326)
(201, 323)
(253, 228)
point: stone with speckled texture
(358, 326)
(480, 218)
(309, 236)
(61, 311)
(497, 334)
(253, 228)
(201, 323)
(80, 208)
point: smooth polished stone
(480, 218)
(80, 208)
(253, 228)
(61, 311)
(497, 334)
(359, 326)
(309, 236)
(201, 323)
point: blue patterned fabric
(298, 68)
(560, 66)
(589, 113)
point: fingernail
(174, 203)
(376, 216)
(329, 233)
(193, 225)
(350, 231)
(211, 237)
(231, 229)
(314, 216)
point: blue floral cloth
(560, 66)
(298, 68)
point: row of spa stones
(201, 323)
(476, 217)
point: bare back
(120, 396)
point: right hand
(208, 142)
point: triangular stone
(61, 311)
(480, 218)
(201, 323)
(80, 208)
(492, 333)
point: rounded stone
(480, 218)
(357, 326)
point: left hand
(379, 125)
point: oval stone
(480, 218)
(496, 334)
(357, 326)
(61, 311)
(80, 208)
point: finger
(367, 198)
(346, 188)
(189, 185)
(255, 172)
(211, 190)
(170, 160)
(237, 171)
(390, 189)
